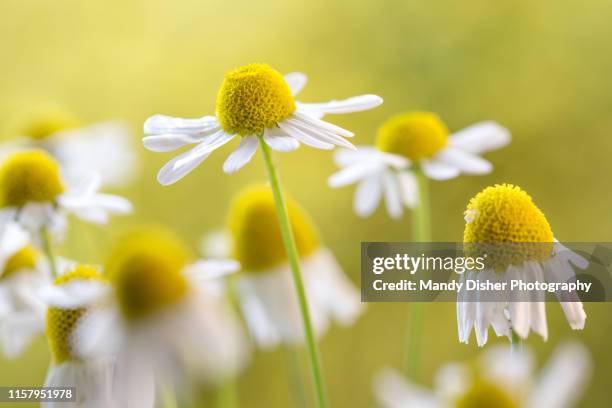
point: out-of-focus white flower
(35, 193)
(496, 219)
(168, 319)
(254, 100)
(106, 148)
(75, 295)
(413, 140)
(23, 272)
(265, 289)
(502, 379)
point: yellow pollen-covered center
(146, 270)
(30, 176)
(48, 123)
(504, 215)
(252, 98)
(61, 322)
(414, 135)
(23, 260)
(257, 240)
(485, 395)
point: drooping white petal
(168, 142)
(74, 294)
(347, 157)
(320, 133)
(367, 196)
(318, 123)
(467, 163)
(242, 155)
(353, 173)
(296, 81)
(353, 104)
(12, 240)
(393, 199)
(279, 140)
(303, 137)
(480, 137)
(409, 189)
(18, 329)
(160, 124)
(437, 170)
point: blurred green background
(540, 68)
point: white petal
(439, 171)
(74, 294)
(394, 391)
(296, 81)
(354, 104)
(353, 173)
(575, 314)
(367, 196)
(320, 133)
(481, 137)
(303, 137)
(409, 188)
(346, 157)
(321, 124)
(280, 141)
(393, 199)
(466, 162)
(18, 330)
(242, 155)
(168, 142)
(213, 268)
(160, 124)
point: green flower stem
(292, 254)
(421, 233)
(516, 343)
(48, 248)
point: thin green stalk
(48, 248)
(292, 255)
(421, 233)
(516, 343)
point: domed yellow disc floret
(505, 214)
(44, 124)
(252, 98)
(484, 395)
(146, 271)
(61, 322)
(414, 135)
(31, 176)
(256, 234)
(24, 259)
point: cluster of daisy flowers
(180, 321)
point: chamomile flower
(23, 272)
(75, 295)
(35, 193)
(414, 140)
(168, 318)
(504, 222)
(254, 101)
(105, 148)
(265, 288)
(501, 379)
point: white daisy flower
(106, 148)
(34, 193)
(502, 379)
(168, 318)
(415, 140)
(497, 218)
(265, 288)
(254, 101)
(75, 295)
(23, 272)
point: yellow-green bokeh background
(541, 68)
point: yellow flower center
(414, 135)
(61, 322)
(48, 123)
(31, 176)
(252, 98)
(505, 214)
(257, 240)
(22, 260)
(484, 395)
(146, 270)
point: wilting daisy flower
(414, 140)
(254, 101)
(167, 319)
(23, 272)
(106, 148)
(265, 288)
(503, 222)
(502, 379)
(35, 193)
(75, 294)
